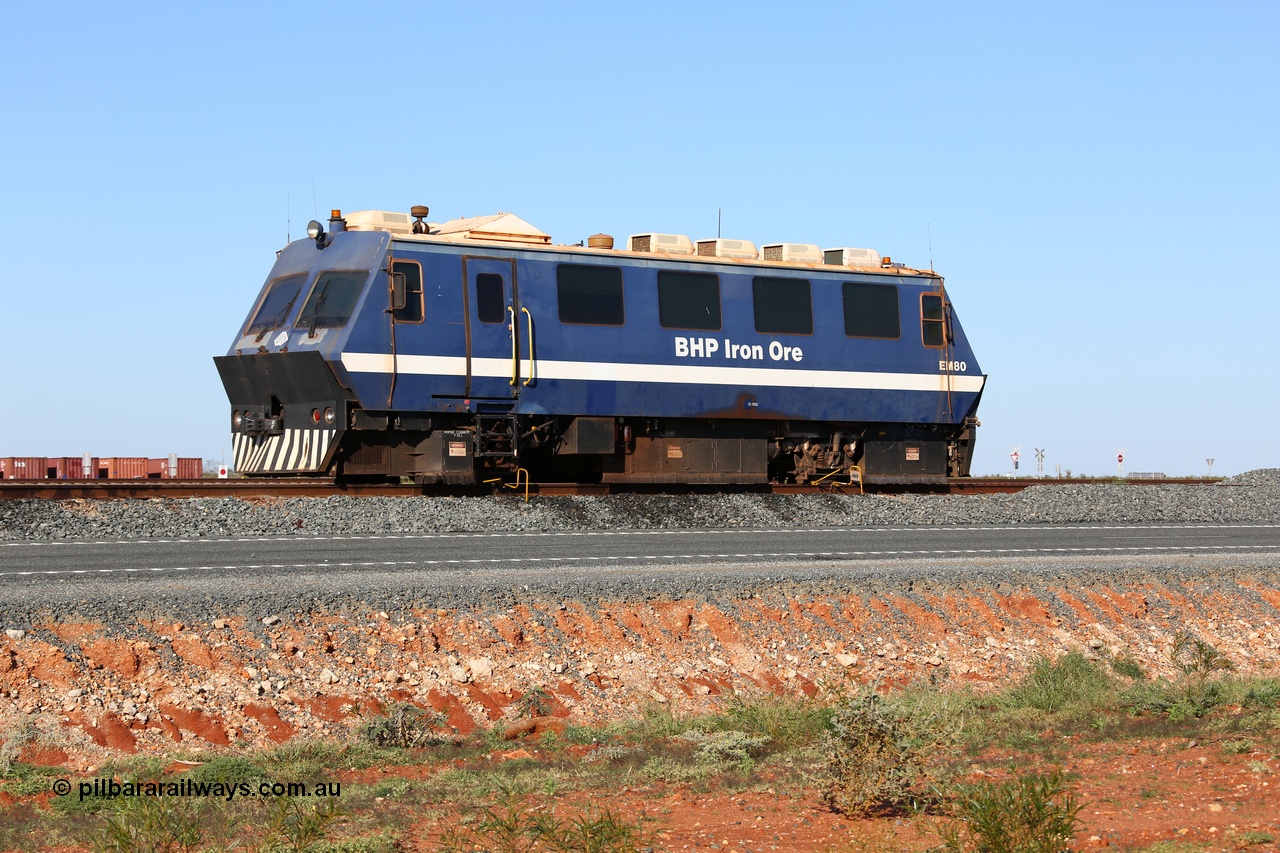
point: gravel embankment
(1250, 498)
(132, 660)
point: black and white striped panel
(294, 451)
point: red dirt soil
(97, 691)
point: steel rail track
(270, 488)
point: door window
(490, 299)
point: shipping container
(22, 468)
(65, 467)
(180, 467)
(124, 467)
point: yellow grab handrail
(516, 484)
(852, 470)
(515, 356)
(529, 318)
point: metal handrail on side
(529, 319)
(515, 356)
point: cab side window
(933, 321)
(412, 311)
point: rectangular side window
(490, 302)
(589, 295)
(333, 297)
(932, 322)
(689, 300)
(871, 310)
(412, 310)
(277, 304)
(784, 306)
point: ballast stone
(1250, 498)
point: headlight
(328, 415)
(237, 420)
(314, 229)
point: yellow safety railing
(516, 484)
(853, 471)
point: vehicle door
(494, 331)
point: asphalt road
(288, 559)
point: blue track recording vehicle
(388, 347)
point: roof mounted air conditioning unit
(670, 244)
(379, 220)
(720, 248)
(852, 257)
(800, 252)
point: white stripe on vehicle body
(606, 371)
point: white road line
(1026, 528)
(619, 559)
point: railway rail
(268, 488)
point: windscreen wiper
(315, 315)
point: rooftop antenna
(718, 212)
(929, 225)
(288, 220)
(315, 208)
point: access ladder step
(496, 436)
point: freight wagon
(118, 467)
(22, 468)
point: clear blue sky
(1100, 181)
